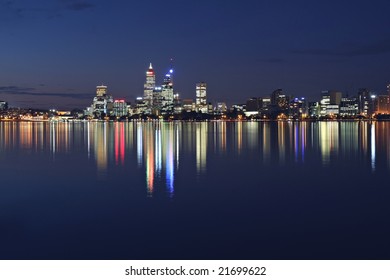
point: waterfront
(194, 190)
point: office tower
(349, 106)
(279, 101)
(253, 104)
(335, 97)
(167, 101)
(364, 98)
(102, 103)
(101, 91)
(149, 86)
(324, 102)
(298, 108)
(383, 104)
(3, 105)
(188, 105)
(201, 95)
(120, 108)
(330, 102)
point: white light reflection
(373, 146)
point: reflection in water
(373, 146)
(329, 140)
(282, 142)
(266, 142)
(158, 147)
(201, 146)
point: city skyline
(55, 52)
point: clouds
(77, 5)
(28, 91)
(18, 9)
(375, 48)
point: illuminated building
(324, 103)
(3, 105)
(101, 91)
(177, 105)
(149, 87)
(330, 103)
(102, 103)
(298, 108)
(221, 108)
(201, 95)
(349, 106)
(188, 105)
(167, 101)
(265, 104)
(157, 101)
(383, 104)
(119, 108)
(314, 109)
(364, 101)
(140, 106)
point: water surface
(188, 190)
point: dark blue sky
(55, 52)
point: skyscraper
(201, 95)
(149, 86)
(167, 93)
(102, 103)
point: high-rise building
(349, 106)
(102, 103)
(201, 98)
(120, 108)
(364, 97)
(279, 101)
(253, 104)
(149, 86)
(330, 102)
(324, 102)
(383, 104)
(101, 91)
(298, 108)
(167, 93)
(221, 108)
(335, 97)
(188, 105)
(3, 105)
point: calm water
(156, 190)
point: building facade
(201, 98)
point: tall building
(101, 91)
(3, 105)
(325, 102)
(253, 104)
(330, 102)
(383, 104)
(298, 108)
(201, 97)
(167, 93)
(120, 108)
(364, 97)
(102, 103)
(335, 97)
(149, 86)
(279, 101)
(349, 106)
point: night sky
(55, 52)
